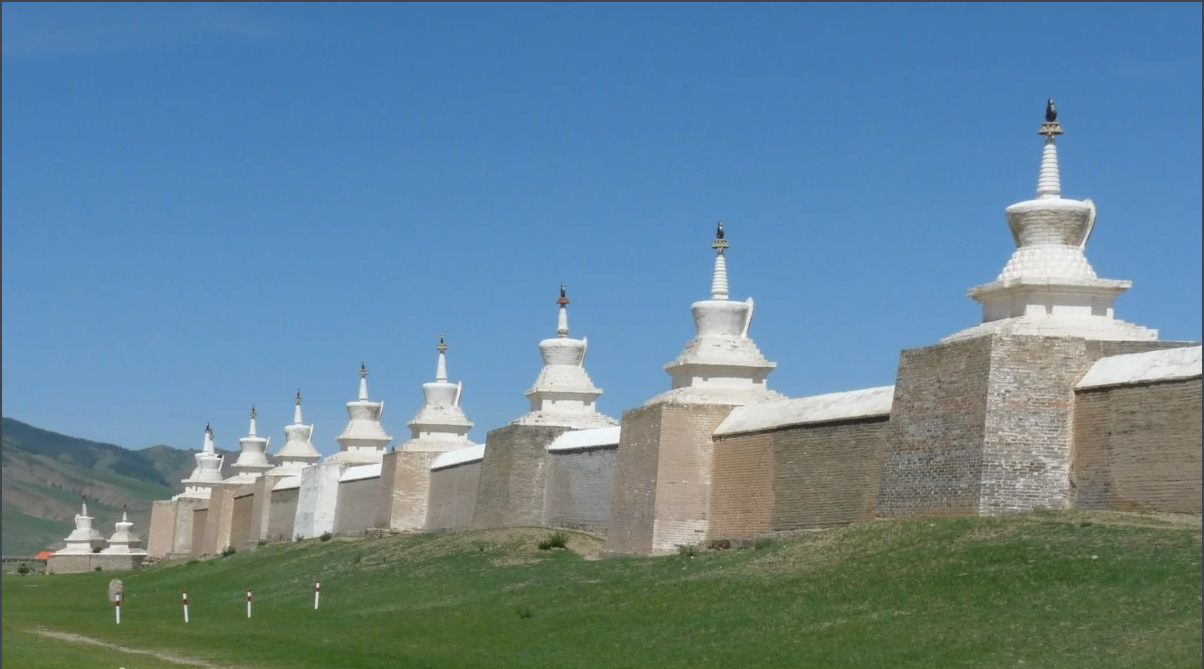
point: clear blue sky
(207, 206)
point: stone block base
(405, 485)
(78, 564)
(513, 474)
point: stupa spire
(562, 320)
(1049, 182)
(363, 382)
(251, 430)
(208, 446)
(719, 290)
(84, 505)
(125, 518)
(297, 409)
(441, 366)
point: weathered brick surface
(220, 518)
(580, 488)
(261, 509)
(663, 478)
(1137, 447)
(282, 514)
(182, 541)
(453, 496)
(240, 518)
(742, 486)
(933, 457)
(513, 475)
(983, 426)
(200, 518)
(828, 474)
(78, 564)
(405, 488)
(356, 508)
(162, 532)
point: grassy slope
(1053, 591)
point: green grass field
(1045, 590)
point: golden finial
(1050, 128)
(563, 296)
(363, 371)
(208, 430)
(253, 414)
(298, 400)
(720, 243)
(442, 346)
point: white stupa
(563, 394)
(1048, 287)
(298, 451)
(252, 456)
(124, 541)
(84, 538)
(722, 364)
(364, 440)
(440, 424)
(206, 474)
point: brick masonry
(513, 474)
(77, 564)
(200, 518)
(160, 536)
(404, 491)
(261, 509)
(453, 497)
(240, 518)
(1137, 447)
(580, 488)
(663, 478)
(282, 514)
(984, 426)
(355, 511)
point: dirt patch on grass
(159, 655)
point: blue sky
(207, 206)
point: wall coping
(583, 439)
(287, 483)
(865, 403)
(1133, 368)
(360, 473)
(460, 456)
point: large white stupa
(440, 424)
(84, 539)
(563, 394)
(1048, 287)
(722, 364)
(298, 451)
(252, 457)
(364, 440)
(124, 541)
(206, 474)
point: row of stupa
(1047, 288)
(563, 395)
(87, 540)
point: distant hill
(44, 474)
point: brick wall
(513, 474)
(282, 514)
(453, 496)
(182, 542)
(404, 490)
(161, 534)
(261, 509)
(1137, 447)
(356, 506)
(200, 518)
(580, 488)
(828, 474)
(240, 518)
(634, 499)
(219, 520)
(742, 486)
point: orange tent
(43, 555)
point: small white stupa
(722, 364)
(252, 457)
(440, 424)
(1048, 287)
(298, 451)
(207, 473)
(84, 539)
(364, 440)
(563, 394)
(124, 541)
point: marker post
(117, 607)
(317, 594)
(248, 603)
(185, 607)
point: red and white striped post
(185, 607)
(117, 607)
(317, 594)
(248, 603)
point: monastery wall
(358, 495)
(261, 509)
(1137, 434)
(806, 463)
(161, 535)
(317, 500)
(241, 518)
(200, 518)
(513, 476)
(455, 478)
(78, 564)
(579, 487)
(405, 488)
(283, 510)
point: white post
(185, 607)
(248, 603)
(317, 594)
(117, 608)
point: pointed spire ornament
(363, 382)
(562, 319)
(719, 288)
(441, 365)
(297, 409)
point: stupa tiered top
(722, 364)
(440, 424)
(1048, 287)
(124, 541)
(252, 458)
(84, 538)
(298, 451)
(563, 394)
(207, 473)
(364, 440)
